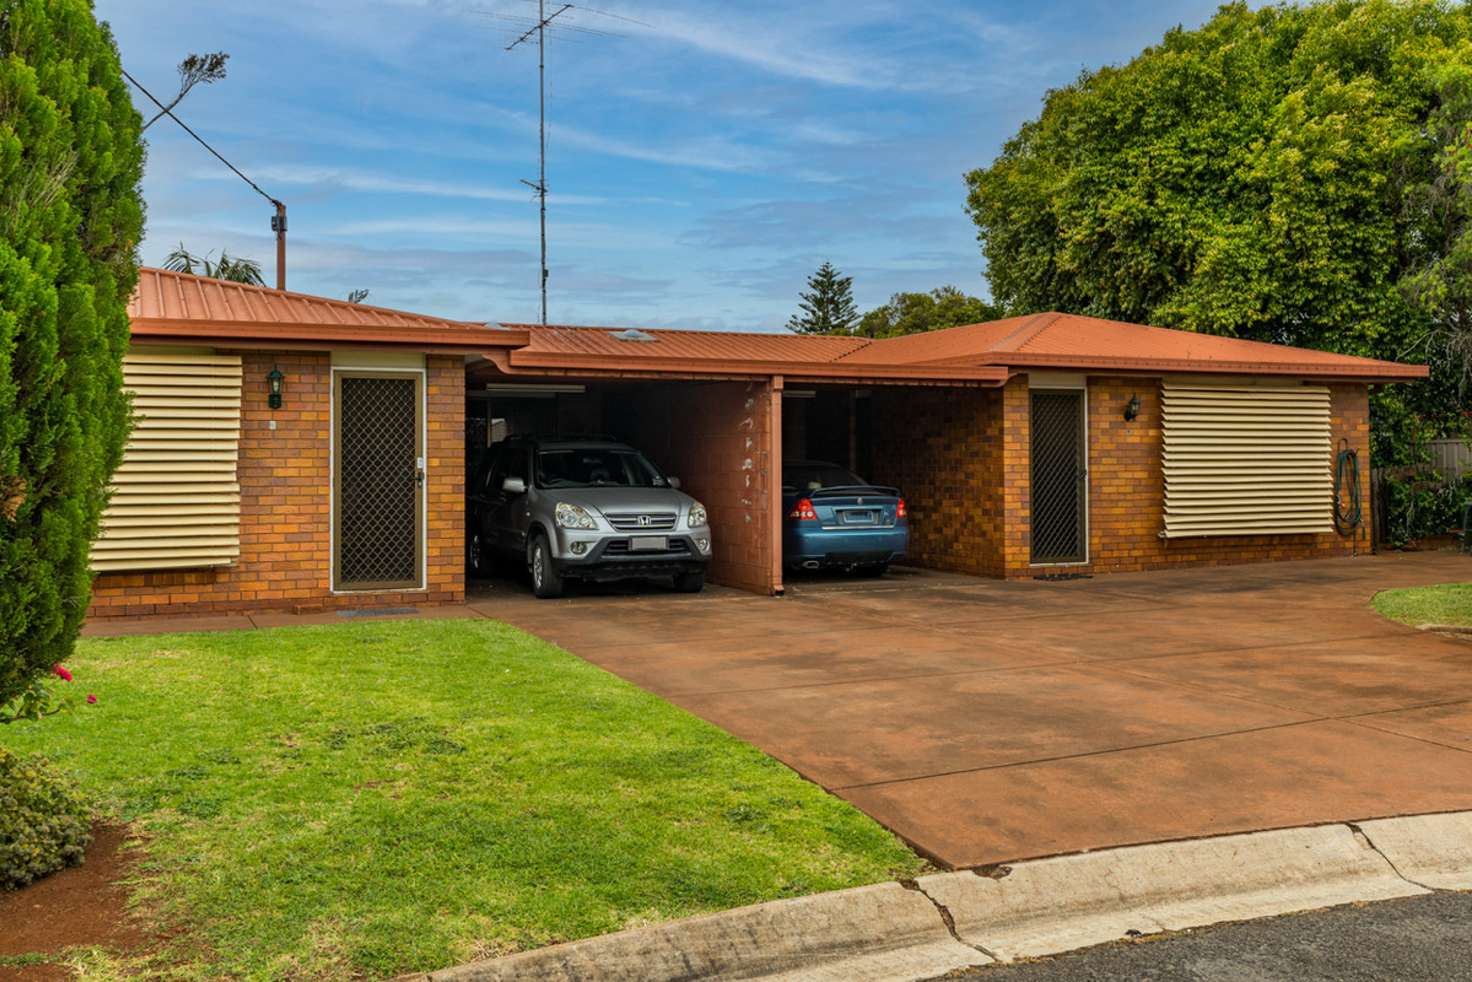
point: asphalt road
(1420, 938)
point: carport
(1039, 446)
(714, 409)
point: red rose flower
(91, 699)
(62, 673)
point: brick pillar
(445, 480)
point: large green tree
(70, 219)
(915, 313)
(1264, 176)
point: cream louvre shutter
(1246, 460)
(175, 499)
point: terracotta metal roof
(1069, 341)
(169, 307)
(179, 308)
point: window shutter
(1246, 459)
(176, 499)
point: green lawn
(1446, 603)
(375, 798)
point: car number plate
(649, 543)
(859, 517)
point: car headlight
(696, 518)
(572, 517)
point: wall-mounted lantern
(274, 380)
(1132, 409)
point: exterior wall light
(1132, 409)
(274, 380)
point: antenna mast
(540, 186)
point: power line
(278, 220)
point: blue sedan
(836, 520)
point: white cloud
(355, 180)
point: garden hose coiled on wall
(1348, 514)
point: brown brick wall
(962, 459)
(1127, 490)
(943, 449)
(285, 538)
(714, 437)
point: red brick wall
(1127, 489)
(943, 449)
(714, 436)
(285, 536)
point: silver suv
(587, 509)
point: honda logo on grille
(645, 521)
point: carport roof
(180, 308)
(992, 350)
(641, 352)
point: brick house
(300, 453)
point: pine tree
(827, 305)
(71, 216)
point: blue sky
(700, 166)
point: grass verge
(1445, 603)
(376, 798)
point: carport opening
(939, 446)
(715, 436)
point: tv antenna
(538, 30)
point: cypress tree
(71, 216)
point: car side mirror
(673, 482)
(514, 485)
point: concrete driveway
(986, 721)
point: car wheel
(546, 581)
(690, 582)
(475, 557)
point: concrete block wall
(285, 513)
(716, 437)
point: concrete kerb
(1432, 850)
(869, 933)
(1054, 905)
(949, 921)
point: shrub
(1420, 504)
(45, 824)
(71, 216)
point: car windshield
(816, 477)
(596, 467)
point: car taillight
(803, 511)
(901, 511)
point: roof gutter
(1370, 371)
(320, 337)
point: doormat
(1057, 577)
(378, 612)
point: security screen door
(1059, 477)
(379, 481)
